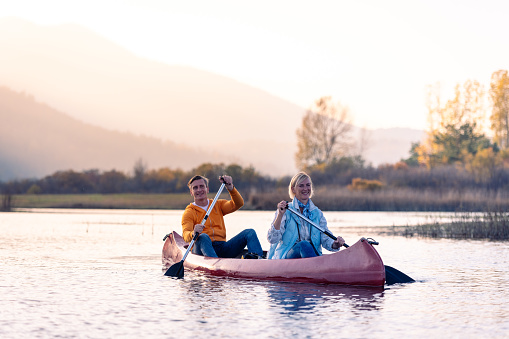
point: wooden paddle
(392, 275)
(177, 270)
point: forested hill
(36, 140)
(96, 81)
(89, 78)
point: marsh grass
(474, 219)
(99, 201)
(403, 199)
(465, 225)
(489, 225)
(6, 204)
(326, 198)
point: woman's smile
(303, 190)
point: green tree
(235, 171)
(34, 189)
(212, 172)
(70, 182)
(499, 94)
(454, 128)
(112, 182)
(324, 134)
(413, 159)
(454, 143)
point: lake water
(98, 274)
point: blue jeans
(301, 249)
(228, 249)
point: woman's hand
(280, 212)
(282, 206)
(338, 243)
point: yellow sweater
(214, 226)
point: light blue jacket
(289, 237)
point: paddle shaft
(329, 234)
(191, 244)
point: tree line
(142, 180)
(459, 153)
(343, 172)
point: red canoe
(360, 265)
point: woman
(291, 237)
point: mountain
(95, 81)
(92, 81)
(36, 140)
(390, 145)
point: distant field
(326, 198)
(122, 201)
(492, 225)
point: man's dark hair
(198, 177)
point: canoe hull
(359, 265)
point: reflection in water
(295, 297)
(205, 295)
(287, 298)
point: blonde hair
(297, 179)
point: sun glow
(376, 58)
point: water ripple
(99, 275)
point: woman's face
(302, 190)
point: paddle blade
(176, 270)
(393, 276)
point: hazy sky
(375, 56)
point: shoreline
(334, 200)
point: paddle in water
(177, 270)
(392, 275)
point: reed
(6, 205)
(100, 201)
(489, 225)
(326, 198)
(392, 199)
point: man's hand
(198, 228)
(228, 181)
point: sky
(376, 57)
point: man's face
(199, 189)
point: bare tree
(324, 134)
(139, 169)
(365, 141)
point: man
(212, 239)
